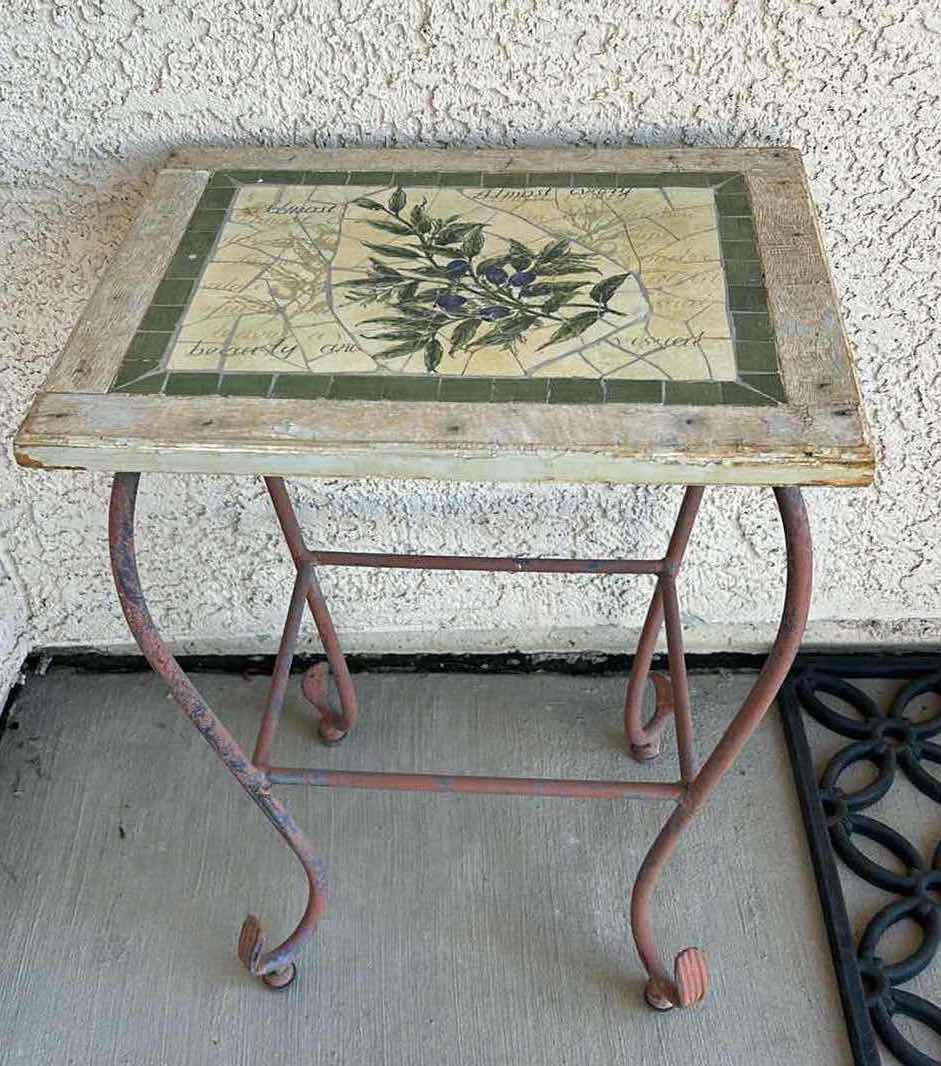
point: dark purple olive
(490, 313)
(449, 301)
(496, 275)
(458, 267)
(523, 277)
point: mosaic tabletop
(542, 303)
(534, 288)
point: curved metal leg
(644, 739)
(688, 982)
(334, 725)
(276, 966)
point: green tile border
(192, 383)
(141, 372)
(245, 384)
(146, 386)
(629, 390)
(694, 393)
(755, 389)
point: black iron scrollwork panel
(894, 742)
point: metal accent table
(641, 316)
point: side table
(641, 316)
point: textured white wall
(95, 92)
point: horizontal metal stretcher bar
(498, 786)
(492, 563)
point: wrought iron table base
(276, 966)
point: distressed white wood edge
(782, 162)
(97, 344)
(506, 442)
(812, 351)
(534, 468)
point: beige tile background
(272, 298)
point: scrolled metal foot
(276, 965)
(690, 979)
(649, 748)
(281, 979)
(690, 983)
(314, 687)
(251, 949)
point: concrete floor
(468, 930)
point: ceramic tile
(245, 384)
(520, 390)
(734, 393)
(422, 388)
(744, 272)
(355, 387)
(576, 391)
(696, 393)
(183, 383)
(619, 391)
(146, 386)
(465, 390)
(756, 357)
(720, 354)
(689, 364)
(752, 327)
(638, 369)
(767, 384)
(301, 386)
(488, 287)
(160, 319)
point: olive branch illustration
(437, 282)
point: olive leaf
(420, 220)
(433, 354)
(604, 290)
(464, 332)
(536, 290)
(400, 349)
(556, 302)
(454, 232)
(507, 331)
(395, 335)
(520, 255)
(391, 227)
(553, 250)
(383, 269)
(567, 265)
(401, 251)
(370, 205)
(573, 327)
(473, 242)
(397, 200)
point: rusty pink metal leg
(334, 725)
(644, 739)
(688, 982)
(282, 667)
(275, 966)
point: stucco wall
(95, 92)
